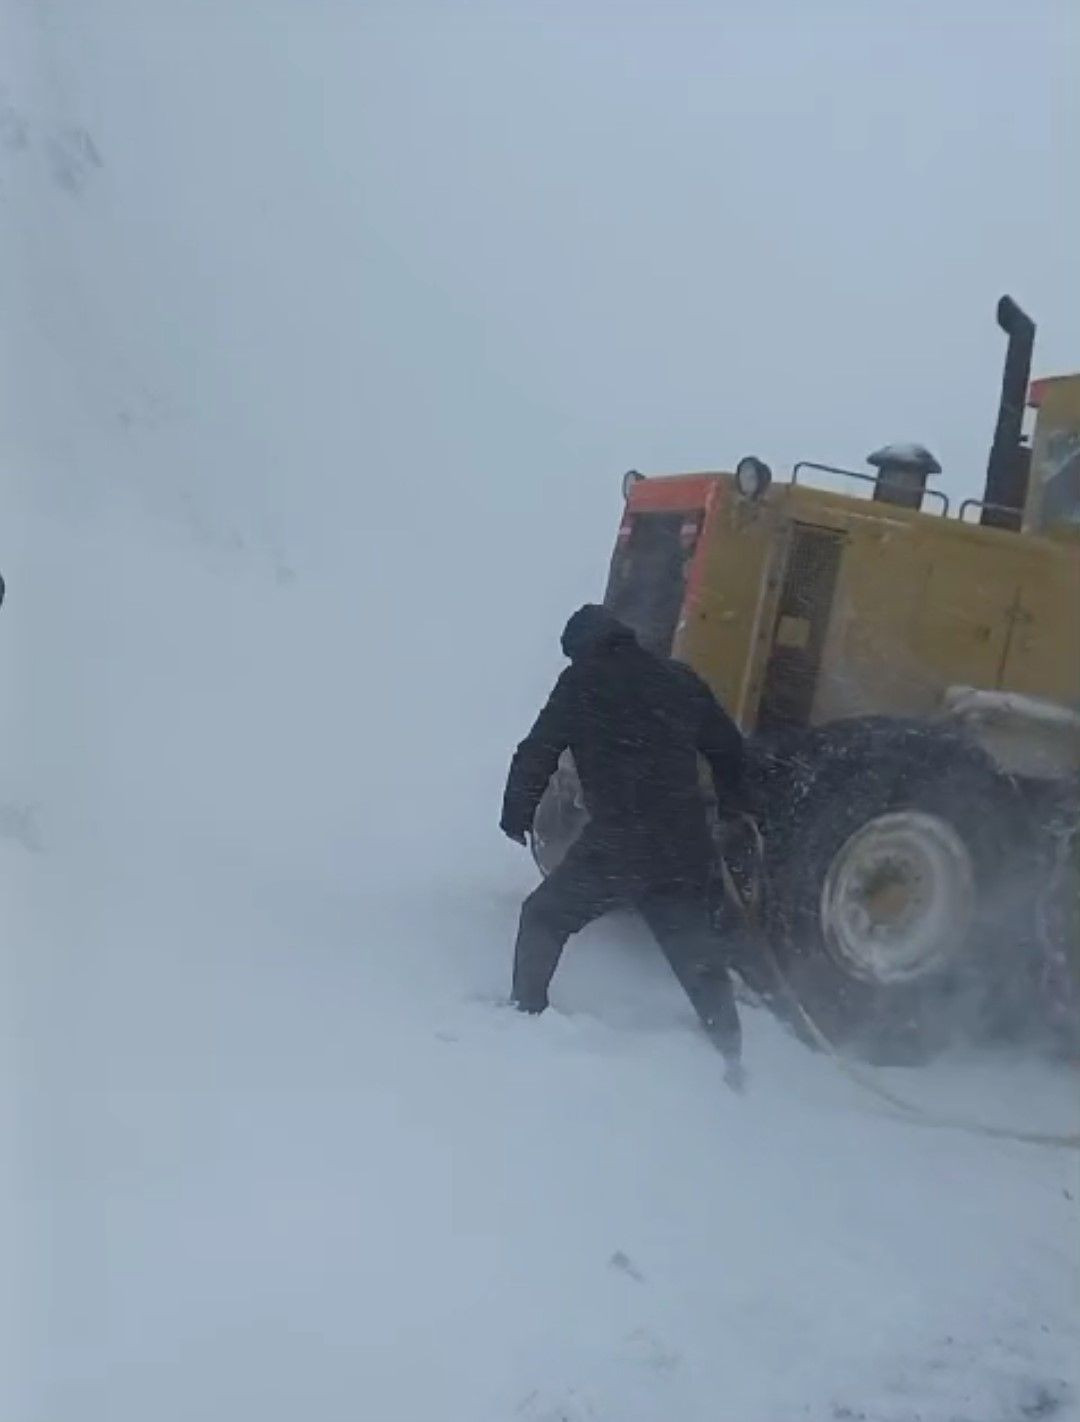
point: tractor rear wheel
(897, 899)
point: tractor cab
(1053, 496)
(655, 548)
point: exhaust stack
(1008, 467)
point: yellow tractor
(907, 673)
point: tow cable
(899, 1108)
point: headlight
(629, 479)
(752, 477)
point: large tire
(1058, 925)
(896, 889)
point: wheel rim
(898, 899)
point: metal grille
(802, 621)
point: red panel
(671, 494)
(1036, 390)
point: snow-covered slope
(283, 530)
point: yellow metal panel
(921, 603)
(872, 662)
(1043, 657)
(717, 638)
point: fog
(328, 330)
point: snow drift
(285, 542)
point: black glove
(514, 832)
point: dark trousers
(598, 875)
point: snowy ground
(277, 1151)
(314, 332)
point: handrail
(1013, 513)
(831, 469)
(865, 478)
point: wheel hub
(897, 901)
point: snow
(905, 454)
(270, 1146)
(278, 1149)
(970, 700)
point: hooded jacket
(635, 724)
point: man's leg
(680, 922)
(584, 886)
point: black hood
(593, 626)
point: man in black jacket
(636, 725)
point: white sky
(579, 236)
(346, 267)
